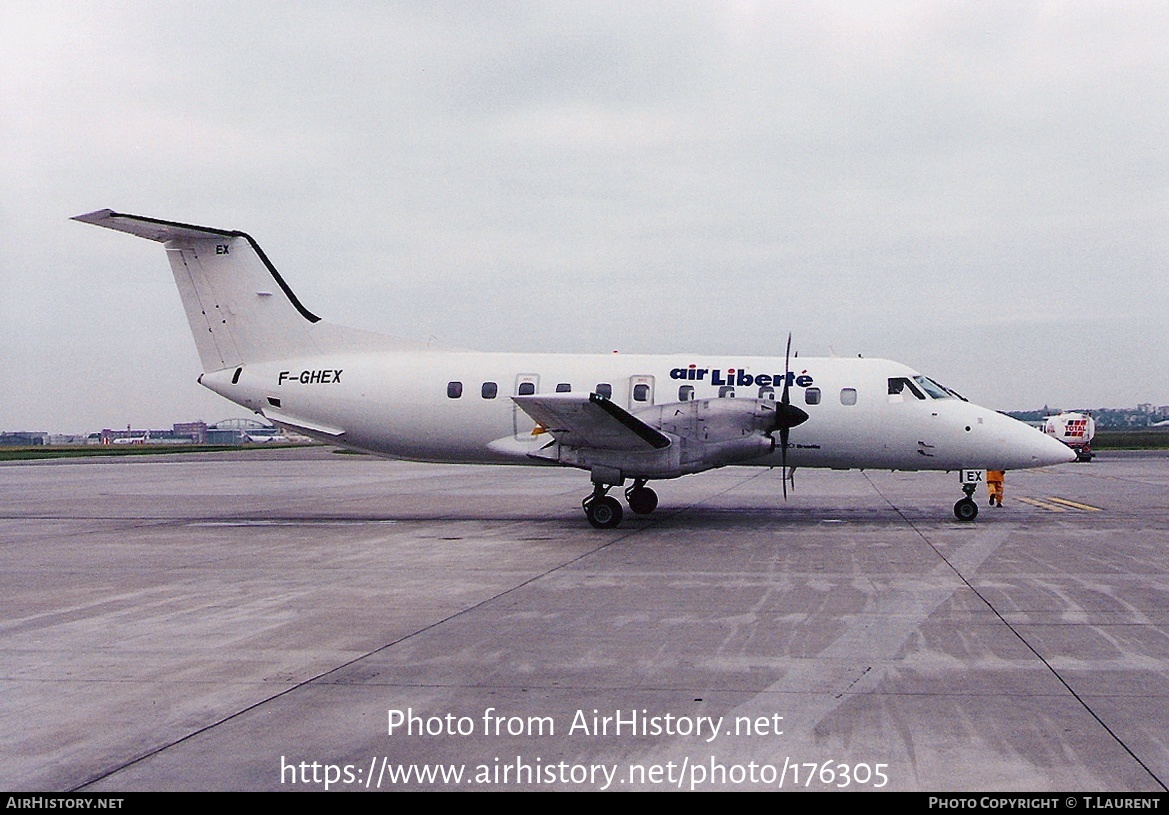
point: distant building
(23, 438)
(197, 431)
(182, 433)
(228, 432)
(58, 439)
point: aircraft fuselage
(455, 406)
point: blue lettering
(733, 376)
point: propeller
(787, 415)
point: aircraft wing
(591, 420)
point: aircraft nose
(1044, 450)
(1022, 446)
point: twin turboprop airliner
(622, 418)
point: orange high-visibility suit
(994, 485)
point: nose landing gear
(966, 509)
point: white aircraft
(620, 417)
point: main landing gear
(966, 509)
(604, 511)
(642, 500)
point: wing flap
(591, 420)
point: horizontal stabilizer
(152, 228)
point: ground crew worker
(994, 485)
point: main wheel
(642, 500)
(965, 510)
(604, 513)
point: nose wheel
(966, 509)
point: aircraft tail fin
(239, 307)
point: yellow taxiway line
(1067, 503)
(1053, 504)
(1042, 504)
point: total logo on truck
(1076, 430)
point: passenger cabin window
(640, 393)
(685, 393)
(527, 388)
(727, 392)
(811, 396)
(490, 390)
(564, 387)
(454, 390)
(848, 396)
(767, 392)
(605, 389)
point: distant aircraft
(620, 417)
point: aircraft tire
(643, 500)
(965, 510)
(604, 513)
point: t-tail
(239, 307)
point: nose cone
(1026, 447)
(1050, 450)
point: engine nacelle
(704, 434)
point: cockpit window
(899, 384)
(953, 393)
(935, 390)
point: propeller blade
(783, 432)
(787, 416)
(785, 399)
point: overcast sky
(977, 189)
